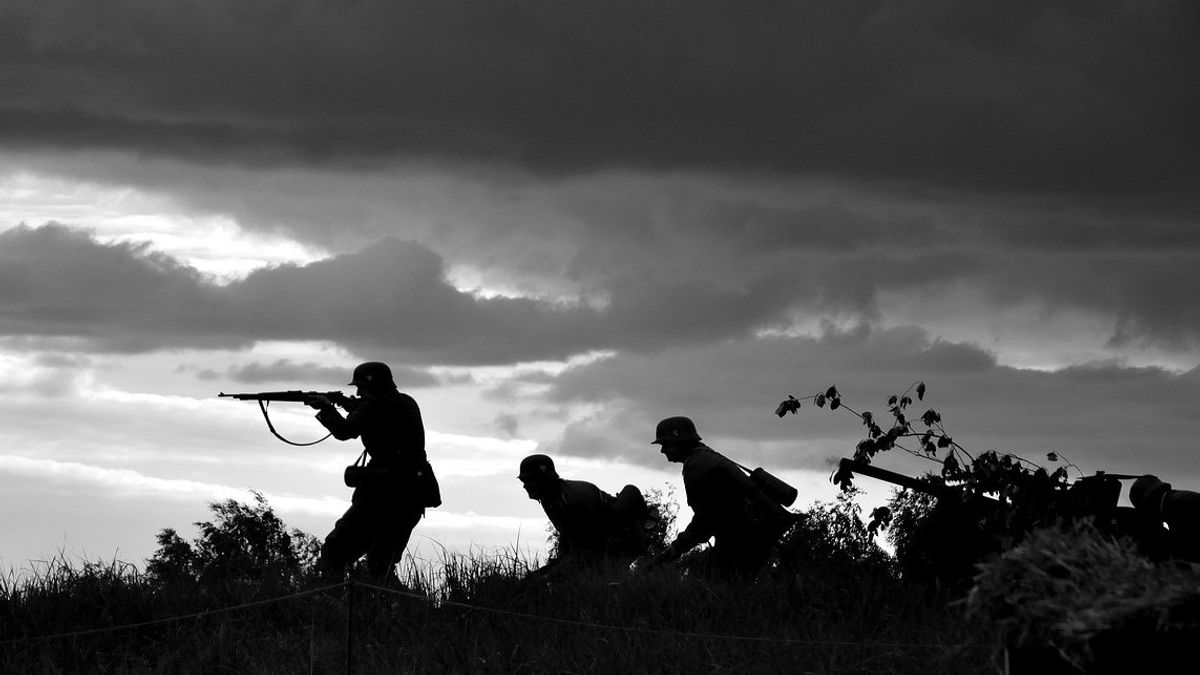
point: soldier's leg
(346, 543)
(388, 543)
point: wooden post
(349, 627)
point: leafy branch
(1004, 475)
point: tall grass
(478, 613)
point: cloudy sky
(563, 221)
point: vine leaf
(843, 478)
(881, 517)
(791, 405)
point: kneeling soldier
(594, 528)
(727, 504)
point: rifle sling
(262, 405)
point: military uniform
(587, 523)
(594, 528)
(731, 509)
(391, 493)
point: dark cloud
(1039, 95)
(55, 281)
(391, 300)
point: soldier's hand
(318, 402)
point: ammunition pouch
(357, 474)
(418, 483)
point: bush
(243, 543)
(831, 537)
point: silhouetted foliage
(939, 542)
(242, 543)
(985, 502)
(831, 537)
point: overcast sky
(560, 222)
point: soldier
(1178, 509)
(594, 528)
(726, 504)
(393, 481)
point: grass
(476, 614)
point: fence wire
(479, 608)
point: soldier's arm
(343, 428)
(697, 532)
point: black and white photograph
(821, 336)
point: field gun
(1010, 508)
(1089, 496)
(957, 524)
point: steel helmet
(537, 466)
(675, 430)
(1147, 492)
(372, 374)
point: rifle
(291, 396)
(264, 398)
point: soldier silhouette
(595, 529)
(728, 507)
(1160, 504)
(393, 481)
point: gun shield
(774, 488)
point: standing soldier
(594, 528)
(726, 504)
(392, 479)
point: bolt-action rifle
(264, 399)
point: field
(479, 615)
(245, 597)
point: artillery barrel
(895, 478)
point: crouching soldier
(727, 506)
(594, 528)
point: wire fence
(350, 586)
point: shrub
(242, 543)
(831, 537)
